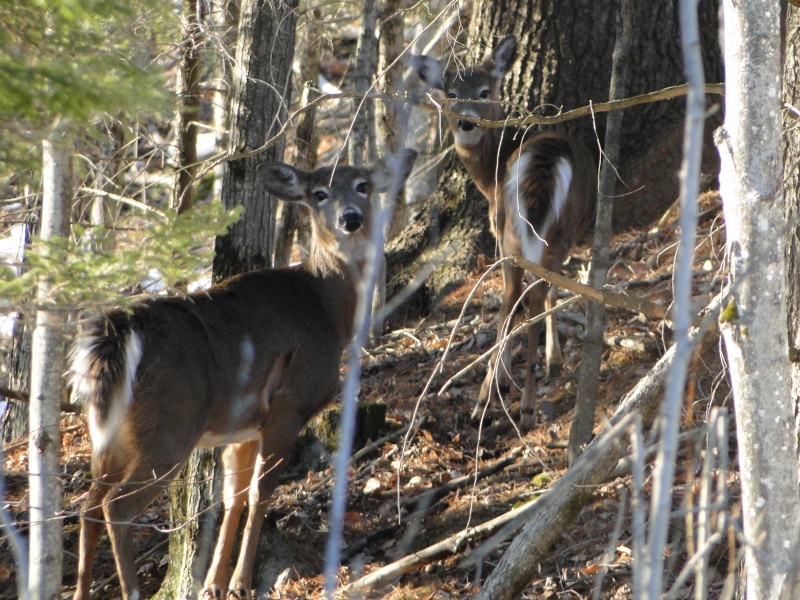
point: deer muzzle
(465, 125)
(351, 220)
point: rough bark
(305, 156)
(47, 365)
(755, 335)
(362, 147)
(569, 64)
(260, 93)
(189, 114)
(586, 394)
(191, 545)
(791, 173)
(450, 231)
(261, 90)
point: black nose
(351, 220)
(464, 125)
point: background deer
(541, 194)
(246, 363)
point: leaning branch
(628, 301)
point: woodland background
(159, 114)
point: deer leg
(500, 363)
(535, 303)
(277, 441)
(125, 502)
(238, 464)
(553, 356)
(91, 528)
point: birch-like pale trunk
(754, 325)
(47, 367)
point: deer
(541, 200)
(243, 365)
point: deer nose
(465, 125)
(351, 220)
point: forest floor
(438, 495)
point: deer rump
(201, 371)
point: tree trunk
(791, 174)
(568, 65)
(361, 146)
(261, 91)
(580, 432)
(47, 366)
(753, 324)
(189, 113)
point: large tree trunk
(569, 65)
(791, 174)
(754, 323)
(261, 91)
(48, 352)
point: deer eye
(361, 187)
(320, 195)
(451, 95)
(484, 94)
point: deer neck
(487, 161)
(334, 281)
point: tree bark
(189, 113)
(261, 91)
(755, 335)
(361, 147)
(569, 64)
(47, 366)
(791, 174)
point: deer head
(473, 91)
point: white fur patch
(532, 241)
(103, 431)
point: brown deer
(541, 199)
(245, 364)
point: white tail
(541, 194)
(246, 364)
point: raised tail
(102, 369)
(537, 190)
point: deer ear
(396, 166)
(283, 181)
(502, 57)
(430, 70)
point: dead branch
(609, 298)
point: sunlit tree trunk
(47, 367)
(754, 323)
(261, 89)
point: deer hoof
(238, 594)
(211, 593)
(553, 370)
(527, 418)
